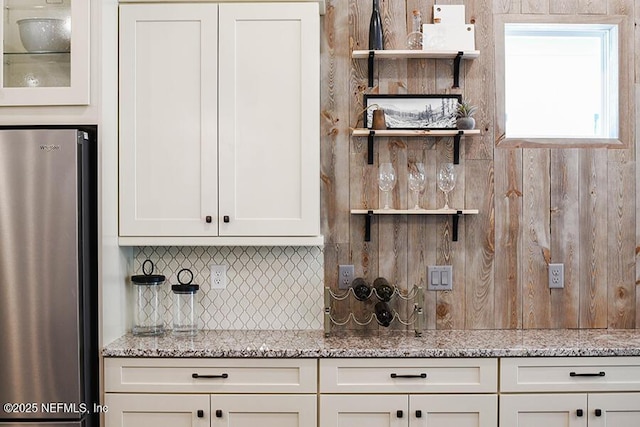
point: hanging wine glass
(417, 180)
(386, 180)
(446, 181)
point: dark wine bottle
(361, 289)
(383, 313)
(383, 289)
(376, 35)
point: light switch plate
(440, 278)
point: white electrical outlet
(218, 276)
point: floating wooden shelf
(456, 133)
(457, 56)
(454, 213)
(415, 54)
(413, 132)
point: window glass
(561, 81)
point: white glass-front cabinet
(219, 124)
(45, 52)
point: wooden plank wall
(537, 205)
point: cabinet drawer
(570, 374)
(210, 375)
(408, 375)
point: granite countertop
(313, 344)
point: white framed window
(561, 80)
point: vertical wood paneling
(508, 208)
(506, 6)
(535, 6)
(535, 240)
(592, 7)
(479, 246)
(621, 263)
(565, 235)
(593, 238)
(574, 206)
(563, 6)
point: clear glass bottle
(414, 39)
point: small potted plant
(464, 115)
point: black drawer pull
(588, 374)
(208, 219)
(209, 376)
(200, 413)
(226, 218)
(418, 413)
(598, 412)
(579, 412)
(218, 413)
(423, 375)
(399, 414)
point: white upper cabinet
(168, 126)
(269, 122)
(219, 124)
(45, 52)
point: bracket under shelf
(455, 214)
(371, 134)
(457, 57)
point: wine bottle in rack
(383, 289)
(361, 289)
(383, 313)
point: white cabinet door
(37, 73)
(454, 410)
(614, 410)
(543, 410)
(168, 128)
(364, 410)
(269, 120)
(156, 410)
(263, 410)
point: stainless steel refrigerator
(48, 277)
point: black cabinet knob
(418, 413)
(579, 412)
(208, 219)
(399, 414)
(218, 413)
(225, 218)
(200, 413)
(598, 412)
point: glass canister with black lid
(185, 309)
(148, 312)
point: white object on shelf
(449, 14)
(457, 37)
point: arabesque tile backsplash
(267, 287)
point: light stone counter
(313, 344)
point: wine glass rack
(415, 297)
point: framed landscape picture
(414, 111)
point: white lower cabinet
(408, 410)
(570, 392)
(418, 393)
(156, 410)
(210, 392)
